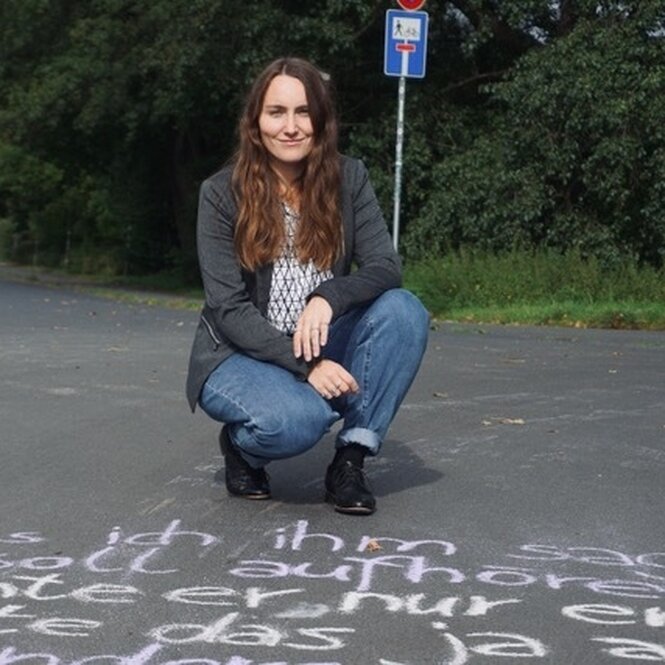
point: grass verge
(616, 315)
(541, 288)
(519, 287)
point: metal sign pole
(405, 50)
(399, 144)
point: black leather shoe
(242, 479)
(348, 489)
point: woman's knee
(278, 434)
(400, 308)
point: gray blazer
(236, 300)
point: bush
(6, 236)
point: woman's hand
(311, 333)
(330, 379)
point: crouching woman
(304, 320)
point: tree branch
(515, 40)
(568, 17)
(476, 78)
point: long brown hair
(259, 232)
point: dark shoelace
(348, 474)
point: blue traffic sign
(406, 43)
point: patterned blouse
(292, 281)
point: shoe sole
(349, 510)
(251, 497)
(256, 496)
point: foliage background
(539, 124)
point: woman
(291, 339)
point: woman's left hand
(311, 333)
(330, 379)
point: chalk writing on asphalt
(279, 597)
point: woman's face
(285, 126)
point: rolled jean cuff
(360, 435)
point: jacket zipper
(211, 332)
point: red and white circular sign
(411, 5)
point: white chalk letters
(309, 597)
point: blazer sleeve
(228, 303)
(378, 266)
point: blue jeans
(271, 414)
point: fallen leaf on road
(512, 421)
(373, 545)
(503, 421)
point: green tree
(135, 102)
(572, 150)
(538, 121)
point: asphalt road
(521, 506)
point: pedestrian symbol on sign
(407, 28)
